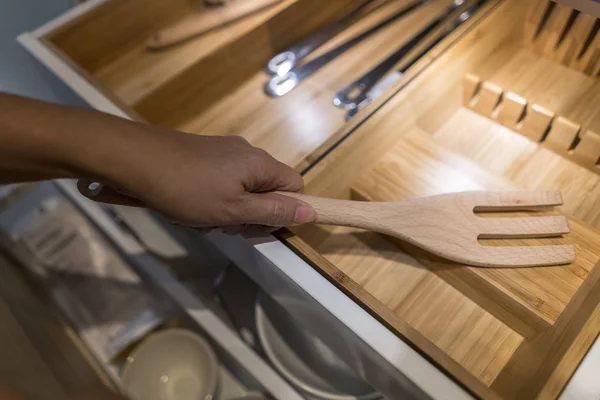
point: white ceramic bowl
(303, 359)
(173, 364)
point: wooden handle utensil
(206, 20)
(445, 225)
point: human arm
(203, 181)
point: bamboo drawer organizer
(213, 84)
(500, 109)
(509, 100)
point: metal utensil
(355, 93)
(284, 82)
(283, 62)
(395, 76)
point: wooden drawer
(508, 100)
(214, 84)
(513, 104)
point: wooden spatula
(205, 20)
(447, 226)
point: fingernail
(304, 214)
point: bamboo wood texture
(446, 225)
(200, 86)
(534, 167)
(523, 301)
(565, 35)
(535, 314)
(555, 132)
(205, 20)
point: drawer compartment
(507, 101)
(213, 84)
(500, 110)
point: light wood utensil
(447, 226)
(206, 20)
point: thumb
(275, 210)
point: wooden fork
(446, 225)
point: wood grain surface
(508, 154)
(555, 132)
(515, 305)
(204, 20)
(534, 317)
(213, 84)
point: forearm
(44, 141)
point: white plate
(174, 364)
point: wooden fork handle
(357, 214)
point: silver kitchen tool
(283, 62)
(287, 79)
(352, 95)
(395, 76)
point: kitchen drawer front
(513, 104)
(214, 84)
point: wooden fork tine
(526, 256)
(517, 200)
(523, 227)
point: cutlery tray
(508, 100)
(213, 84)
(498, 110)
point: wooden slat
(588, 61)
(587, 151)
(535, 15)
(487, 98)
(562, 134)
(470, 86)
(536, 122)
(549, 38)
(511, 109)
(582, 28)
(513, 112)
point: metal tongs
(283, 62)
(289, 74)
(364, 90)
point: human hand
(209, 181)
